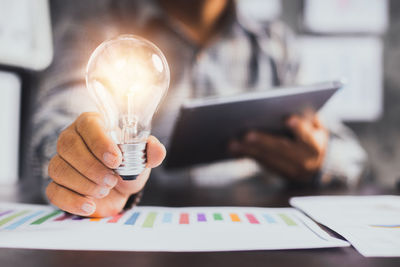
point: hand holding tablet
(206, 126)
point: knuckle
(56, 167)
(314, 151)
(66, 141)
(83, 117)
(90, 189)
(97, 145)
(309, 165)
(86, 121)
(92, 169)
(51, 192)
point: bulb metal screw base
(134, 159)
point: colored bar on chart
(217, 217)
(234, 217)
(5, 212)
(116, 218)
(48, 216)
(95, 219)
(201, 217)
(12, 217)
(23, 220)
(77, 218)
(132, 220)
(386, 226)
(184, 218)
(167, 218)
(63, 217)
(149, 221)
(252, 219)
(287, 219)
(269, 218)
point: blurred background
(353, 40)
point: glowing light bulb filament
(130, 122)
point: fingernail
(110, 180)
(292, 122)
(110, 159)
(103, 192)
(88, 208)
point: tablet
(206, 126)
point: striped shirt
(245, 56)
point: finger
(132, 187)
(274, 145)
(312, 117)
(155, 152)
(303, 129)
(111, 205)
(64, 174)
(90, 127)
(308, 114)
(317, 122)
(69, 201)
(73, 150)
(273, 162)
(268, 142)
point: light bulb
(128, 77)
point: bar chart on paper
(162, 229)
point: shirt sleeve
(53, 115)
(345, 159)
(62, 94)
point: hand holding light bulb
(128, 77)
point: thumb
(302, 128)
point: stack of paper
(370, 223)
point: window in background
(260, 10)
(10, 92)
(346, 16)
(356, 60)
(25, 34)
(348, 46)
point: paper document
(162, 229)
(370, 223)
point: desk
(252, 192)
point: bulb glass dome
(128, 77)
